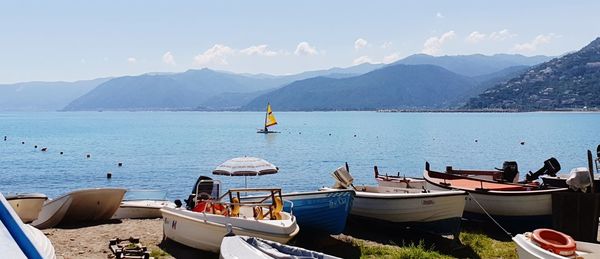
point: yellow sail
(270, 121)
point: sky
(75, 40)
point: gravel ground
(91, 241)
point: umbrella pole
(246, 181)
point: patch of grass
(158, 253)
(487, 247)
(373, 250)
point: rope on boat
(489, 216)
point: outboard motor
(551, 167)
(510, 170)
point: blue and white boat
(320, 211)
(18, 240)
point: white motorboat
(233, 247)
(84, 205)
(517, 206)
(429, 210)
(556, 246)
(18, 240)
(204, 226)
(27, 205)
(142, 204)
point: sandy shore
(91, 241)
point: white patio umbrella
(245, 166)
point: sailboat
(269, 121)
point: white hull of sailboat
(27, 206)
(205, 231)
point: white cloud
(305, 49)
(433, 45)
(439, 15)
(215, 55)
(169, 59)
(535, 43)
(260, 50)
(391, 58)
(386, 45)
(131, 60)
(362, 59)
(501, 35)
(360, 43)
(475, 37)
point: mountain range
(568, 82)
(403, 84)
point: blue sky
(71, 40)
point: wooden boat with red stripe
(528, 205)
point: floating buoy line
(87, 155)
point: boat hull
(433, 212)
(518, 210)
(234, 247)
(85, 205)
(206, 231)
(527, 250)
(18, 240)
(321, 211)
(27, 206)
(141, 209)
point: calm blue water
(169, 150)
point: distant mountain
(476, 64)
(43, 96)
(569, 82)
(396, 86)
(193, 89)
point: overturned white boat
(233, 247)
(18, 240)
(204, 226)
(551, 244)
(428, 210)
(142, 204)
(86, 205)
(27, 205)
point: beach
(91, 241)
(358, 241)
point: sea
(170, 150)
